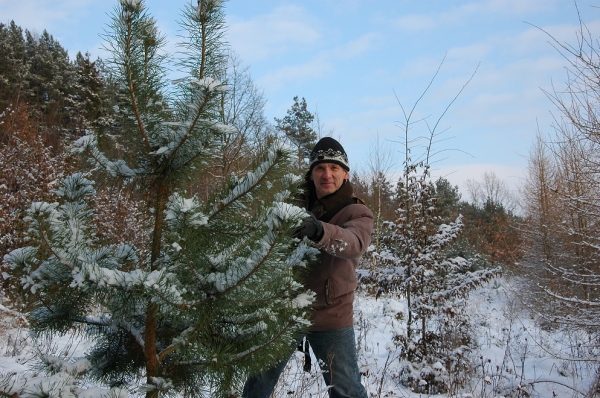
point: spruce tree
(213, 293)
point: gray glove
(311, 228)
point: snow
(225, 128)
(304, 300)
(210, 84)
(281, 211)
(118, 168)
(507, 339)
(182, 211)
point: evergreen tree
(447, 199)
(50, 80)
(87, 107)
(415, 263)
(36, 71)
(212, 293)
(13, 66)
(492, 231)
(242, 107)
(297, 127)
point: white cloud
(315, 68)
(275, 33)
(355, 47)
(507, 6)
(461, 173)
(37, 15)
(461, 14)
(469, 54)
(322, 64)
(415, 23)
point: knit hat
(328, 150)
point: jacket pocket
(329, 291)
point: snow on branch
(210, 84)
(242, 268)
(446, 234)
(303, 254)
(250, 181)
(184, 211)
(195, 128)
(98, 159)
(132, 4)
(92, 272)
(573, 300)
(64, 381)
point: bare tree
(491, 188)
(319, 127)
(563, 208)
(379, 164)
(242, 107)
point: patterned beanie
(328, 150)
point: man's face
(328, 178)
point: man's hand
(311, 228)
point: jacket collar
(321, 206)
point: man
(340, 226)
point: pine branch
(190, 129)
(248, 184)
(131, 87)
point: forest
(151, 217)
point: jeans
(336, 353)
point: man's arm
(350, 236)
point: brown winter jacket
(345, 238)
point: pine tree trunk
(408, 304)
(150, 332)
(150, 354)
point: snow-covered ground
(512, 351)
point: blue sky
(355, 60)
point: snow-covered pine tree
(213, 296)
(414, 262)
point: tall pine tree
(297, 127)
(213, 294)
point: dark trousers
(335, 351)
